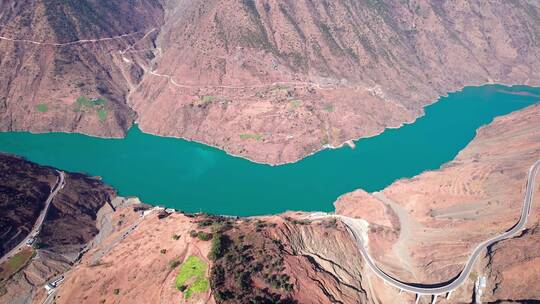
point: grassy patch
(16, 263)
(280, 89)
(85, 104)
(83, 101)
(295, 103)
(251, 136)
(100, 102)
(192, 277)
(41, 107)
(329, 108)
(102, 114)
(207, 99)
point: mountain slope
(52, 66)
(269, 80)
(298, 75)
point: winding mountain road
(81, 41)
(445, 287)
(39, 222)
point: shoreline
(348, 142)
(333, 202)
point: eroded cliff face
(272, 81)
(272, 259)
(512, 265)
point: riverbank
(194, 177)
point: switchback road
(356, 232)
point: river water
(194, 177)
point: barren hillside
(272, 81)
(424, 228)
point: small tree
(203, 236)
(217, 247)
(174, 263)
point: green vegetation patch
(16, 263)
(83, 101)
(280, 89)
(100, 101)
(85, 104)
(207, 99)
(203, 236)
(295, 103)
(41, 107)
(251, 136)
(329, 108)
(248, 264)
(102, 114)
(192, 277)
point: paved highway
(442, 288)
(39, 222)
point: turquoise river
(194, 177)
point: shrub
(217, 247)
(175, 237)
(174, 263)
(116, 291)
(203, 236)
(42, 107)
(193, 233)
(163, 251)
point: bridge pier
(417, 298)
(434, 299)
(448, 294)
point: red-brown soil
(269, 80)
(448, 211)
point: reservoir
(193, 177)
